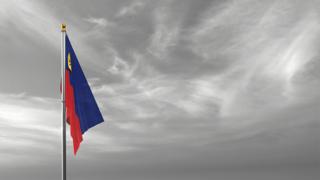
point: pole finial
(63, 27)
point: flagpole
(63, 147)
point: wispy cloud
(34, 19)
(165, 34)
(257, 57)
(130, 9)
(29, 125)
(100, 22)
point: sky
(188, 89)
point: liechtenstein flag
(82, 111)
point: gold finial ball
(63, 27)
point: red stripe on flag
(72, 117)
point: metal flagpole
(64, 155)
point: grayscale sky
(189, 89)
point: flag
(82, 111)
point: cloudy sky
(189, 89)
